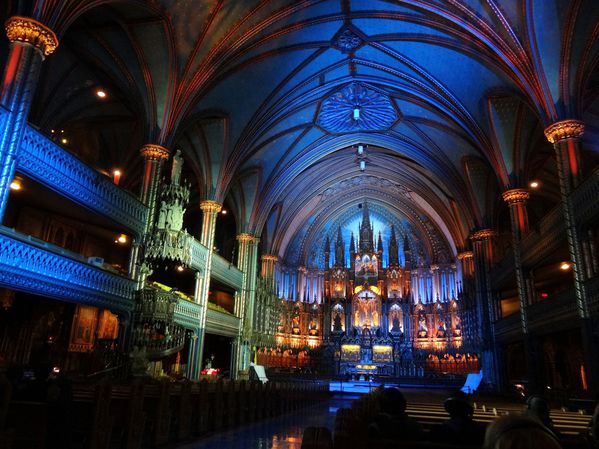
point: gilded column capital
(515, 196)
(25, 29)
(483, 234)
(245, 237)
(564, 129)
(154, 152)
(270, 257)
(465, 255)
(211, 206)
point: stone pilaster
(516, 200)
(210, 209)
(482, 242)
(565, 136)
(30, 42)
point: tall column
(516, 200)
(565, 137)
(154, 157)
(194, 361)
(483, 256)
(30, 42)
(244, 240)
(210, 209)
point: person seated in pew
(392, 422)
(519, 432)
(460, 428)
(537, 408)
(595, 428)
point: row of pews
(145, 413)
(351, 425)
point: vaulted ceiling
(261, 96)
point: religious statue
(337, 327)
(422, 330)
(176, 168)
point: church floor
(284, 432)
(426, 405)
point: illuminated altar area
(390, 311)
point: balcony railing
(584, 199)
(226, 272)
(49, 164)
(187, 314)
(221, 323)
(34, 266)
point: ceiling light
(64, 140)
(100, 93)
(362, 165)
(534, 184)
(360, 149)
(16, 184)
(180, 268)
(122, 238)
(224, 211)
(565, 266)
(356, 114)
(116, 176)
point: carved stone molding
(465, 255)
(515, 196)
(483, 234)
(565, 129)
(376, 111)
(270, 257)
(210, 206)
(245, 238)
(154, 152)
(346, 40)
(25, 29)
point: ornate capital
(515, 196)
(245, 238)
(25, 29)
(154, 152)
(465, 255)
(271, 257)
(483, 234)
(565, 129)
(211, 206)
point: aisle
(284, 432)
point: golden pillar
(30, 42)
(565, 136)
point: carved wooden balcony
(58, 169)
(34, 266)
(226, 272)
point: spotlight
(122, 238)
(180, 268)
(100, 93)
(224, 211)
(116, 176)
(64, 140)
(534, 184)
(565, 266)
(16, 184)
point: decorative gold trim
(271, 257)
(154, 152)
(483, 234)
(245, 238)
(211, 206)
(465, 255)
(565, 129)
(515, 196)
(25, 29)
